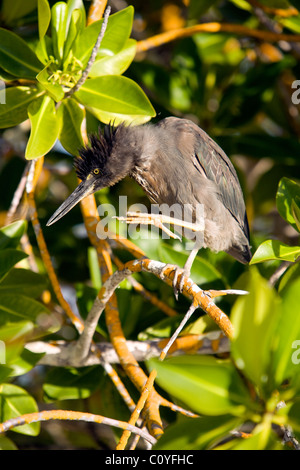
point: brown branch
(136, 413)
(214, 27)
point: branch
(92, 57)
(74, 416)
(163, 38)
(57, 354)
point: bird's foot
(180, 276)
(177, 283)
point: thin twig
(74, 416)
(136, 413)
(92, 56)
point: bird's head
(108, 158)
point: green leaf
(292, 23)
(17, 9)
(44, 17)
(16, 57)
(5, 443)
(202, 271)
(8, 258)
(59, 14)
(196, 8)
(274, 249)
(54, 89)
(14, 402)
(72, 116)
(285, 361)
(117, 32)
(20, 306)
(117, 98)
(68, 383)
(288, 191)
(73, 31)
(196, 433)
(11, 234)
(24, 282)
(14, 111)
(116, 64)
(254, 318)
(14, 336)
(45, 127)
(76, 5)
(205, 384)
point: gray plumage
(175, 162)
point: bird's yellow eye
(96, 171)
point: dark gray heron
(175, 162)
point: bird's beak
(84, 189)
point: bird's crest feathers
(96, 153)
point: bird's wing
(212, 162)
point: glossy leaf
(274, 249)
(14, 402)
(16, 57)
(18, 306)
(196, 433)
(8, 258)
(204, 384)
(76, 5)
(254, 318)
(59, 14)
(285, 361)
(18, 98)
(117, 33)
(44, 17)
(14, 335)
(11, 234)
(23, 281)
(116, 64)
(45, 127)
(72, 115)
(288, 191)
(114, 97)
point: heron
(176, 163)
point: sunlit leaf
(45, 127)
(274, 249)
(59, 14)
(115, 97)
(254, 318)
(72, 115)
(206, 385)
(11, 234)
(14, 402)
(288, 191)
(116, 64)
(14, 110)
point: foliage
(240, 90)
